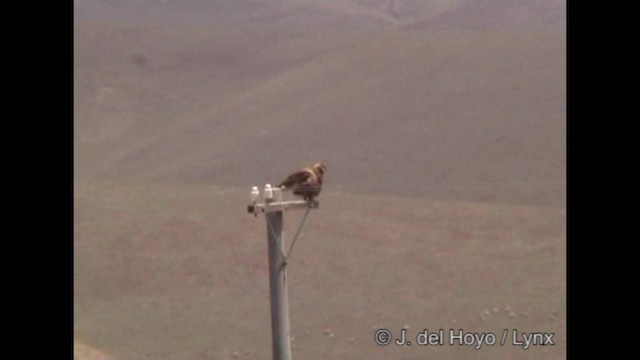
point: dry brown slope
(82, 351)
(134, 82)
(174, 272)
(280, 13)
(498, 15)
(335, 14)
(463, 115)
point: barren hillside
(335, 14)
(442, 124)
(469, 115)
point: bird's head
(319, 168)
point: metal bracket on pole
(282, 206)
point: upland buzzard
(306, 182)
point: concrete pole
(280, 334)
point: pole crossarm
(282, 206)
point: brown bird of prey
(306, 182)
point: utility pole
(273, 207)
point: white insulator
(268, 192)
(254, 194)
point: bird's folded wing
(295, 178)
